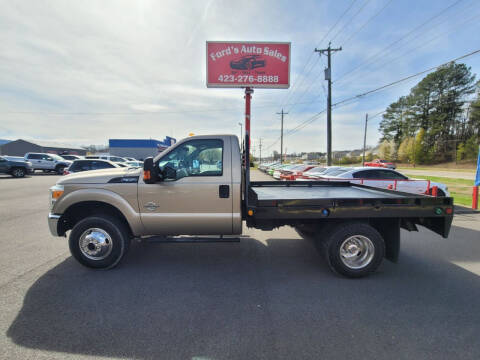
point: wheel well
(81, 210)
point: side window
(195, 158)
(46, 157)
(361, 174)
(391, 175)
(34, 156)
(96, 165)
(83, 166)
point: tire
(59, 169)
(353, 249)
(105, 248)
(18, 172)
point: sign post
(477, 184)
(248, 65)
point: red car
(294, 173)
(381, 163)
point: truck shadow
(253, 299)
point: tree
(435, 104)
(405, 150)
(386, 150)
(471, 148)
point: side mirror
(169, 173)
(150, 173)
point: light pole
(241, 133)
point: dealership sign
(248, 64)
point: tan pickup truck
(199, 186)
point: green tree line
(436, 122)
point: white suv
(47, 162)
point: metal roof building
(20, 147)
(139, 148)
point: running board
(192, 239)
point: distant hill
(4, 141)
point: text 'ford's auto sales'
(232, 64)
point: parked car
(89, 164)
(294, 173)
(247, 62)
(116, 159)
(47, 162)
(135, 163)
(391, 179)
(15, 166)
(312, 174)
(72, 157)
(334, 171)
(272, 168)
(381, 163)
(278, 170)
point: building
(20, 147)
(139, 148)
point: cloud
(88, 71)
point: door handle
(224, 191)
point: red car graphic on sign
(247, 62)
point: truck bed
(276, 203)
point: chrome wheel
(357, 251)
(95, 244)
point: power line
(350, 20)
(424, 43)
(365, 24)
(368, 60)
(311, 54)
(345, 101)
(406, 78)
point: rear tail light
(66, 172)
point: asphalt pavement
(269, 296)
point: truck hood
(100, 176)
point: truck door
(196, 196)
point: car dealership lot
(268, 296)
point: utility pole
(328, 76)
(281, 136)
(365, 139)
(260, 148)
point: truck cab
(197, 189)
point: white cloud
(76, 71)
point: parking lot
(267, 296)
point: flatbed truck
(201, 186)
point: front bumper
(53, 223)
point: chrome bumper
(52, 223)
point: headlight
(55, 193)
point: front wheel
(354, 249)
(18, 172)
(59, 170)
(99, 241)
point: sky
(81, 72)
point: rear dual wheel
(352, 249)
